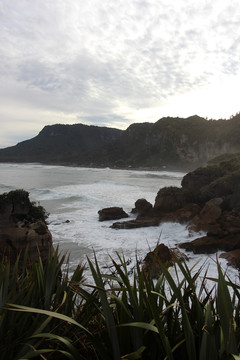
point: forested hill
(62, 144)
(171, 142)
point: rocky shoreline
(208, 200)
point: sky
(114, 63)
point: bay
(73, 196)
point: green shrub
(19, 195)
(38, 212)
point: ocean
(73, 195)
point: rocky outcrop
(142, 207)
(209, 201)
(136, 223)
(223, 234)
(161, 255)
(170, 199)
(23, 226)
(211, 244)
(112, 213)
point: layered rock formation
(23, 226)
(208, 200)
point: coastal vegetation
(158, 312)
(48, 313)
(20, 198)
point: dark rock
(170, 199)
(211, 210)
(136, 223)
(142, 207)
(230, 222)
(183, 215)
(161, 255)
(154, 218)
(209, 201)
(232, 257)
(199, 178)
(211, 244)
(112, 213)
(207, 218)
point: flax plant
(176, 316)
(183, 314)
(46, 288)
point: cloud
(114, 62)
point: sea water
(73, 195)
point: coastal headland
(171, 143)
(208, 200)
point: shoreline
(169, 168)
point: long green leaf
(106, 309)
(156, 312)
(225, 311)
(143, 325)
(188, 331)
(53, 314)
(61, 339)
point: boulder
(198, 179)
(170, 199)
(112, 213)
(142, 207)
(161, 255)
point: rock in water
(161, 255)
(23, 226)
(142, 207)
(112, 213)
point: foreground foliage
(45, 313)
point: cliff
(170, 142)
(189, 142)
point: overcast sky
(112, 63)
